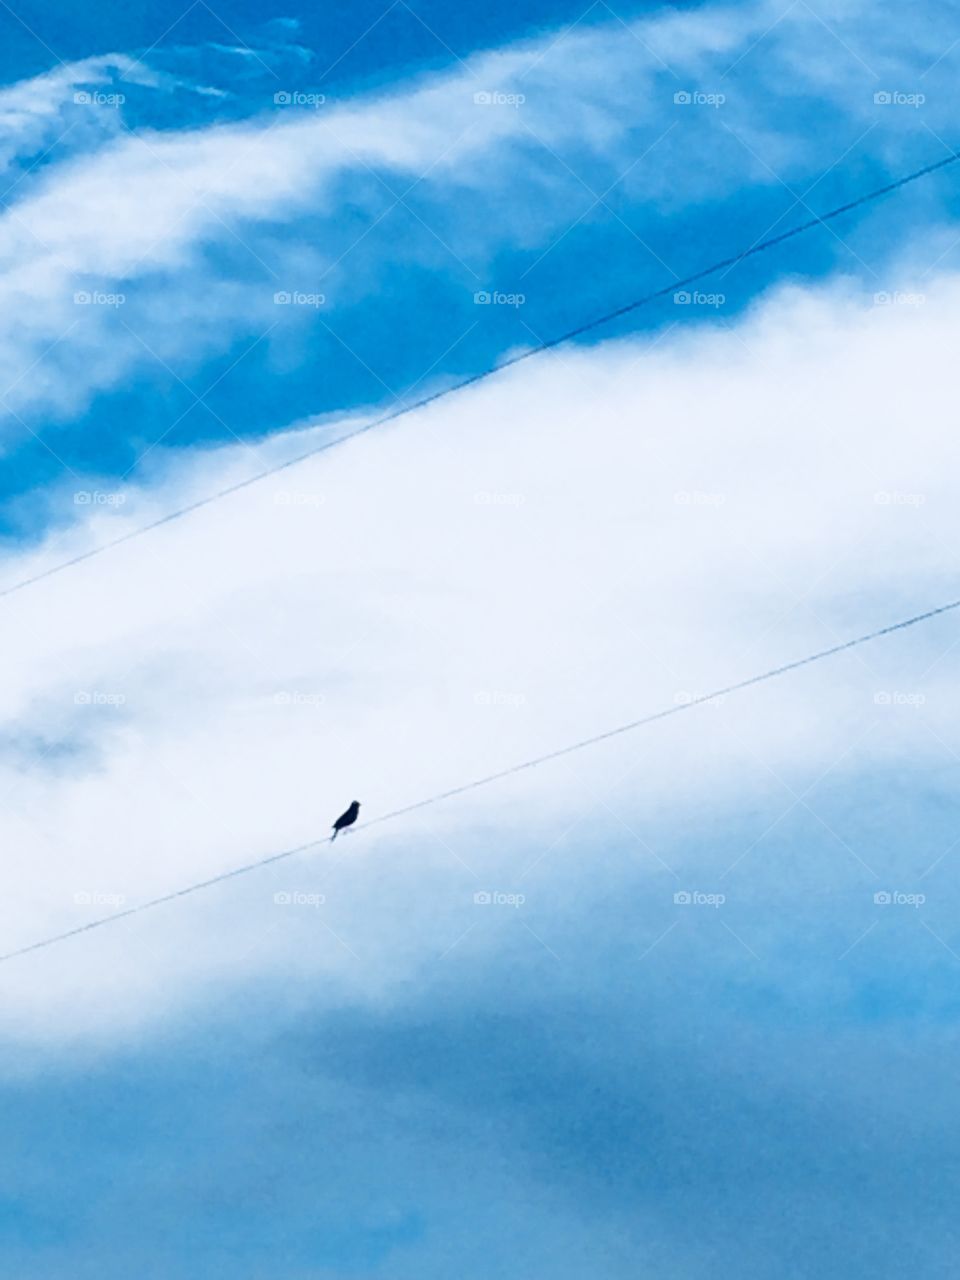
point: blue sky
(595, 192)
(681, 1004)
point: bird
(346, 819)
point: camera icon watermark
(686, 698)
(896, 98)
(94, 98)
(98, 498)
(683, 298)
(695, 898)
(298, 898)
(298, 698)
(497, 898)
(297, 498)
(896, 898)
(297, 98)
(498, 698)
(496, 298)
(894, 498)
(898, 298)
(697, 498)
(495, 98)
(697, 98)
(98, 298)
(897, 698)
(98, 698)
(97, 898)
(299, 298)
(490, 498)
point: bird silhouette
(346, 819)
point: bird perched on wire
(346, 819)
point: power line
(481, 376)
(673, 710)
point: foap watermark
(298, 898)
(97, 898)
(684, 698)
(695, 898)
(897, 98)
(491, 498)
(896, 898)
(898, 298)
(897, 698)
(98, 298)
(98, 498)
(497, 898)
(894, 498)
(497, 98)
(298, 698)
(299, 298)
(295, 498)
(698, 98)
(298, 98)
(697, 498)
(498, 698)
(98, 698)
(495, 298)
(684, 298)
(96, 98)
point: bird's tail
(334, 836)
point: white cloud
(584, 539)
(38, 113)
(137, 213)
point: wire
(673, 710)
(483, 374)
